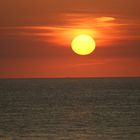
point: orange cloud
(104, 29)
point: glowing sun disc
(83, 44)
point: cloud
(104, 29)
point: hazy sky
(35, 38)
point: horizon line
(67, 77)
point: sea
(70, 109)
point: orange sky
(35, 38)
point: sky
(36, 36)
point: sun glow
(103, 29)
(83, 44)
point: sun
(83, 44)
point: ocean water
(70, 109)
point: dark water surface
(70, 109)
